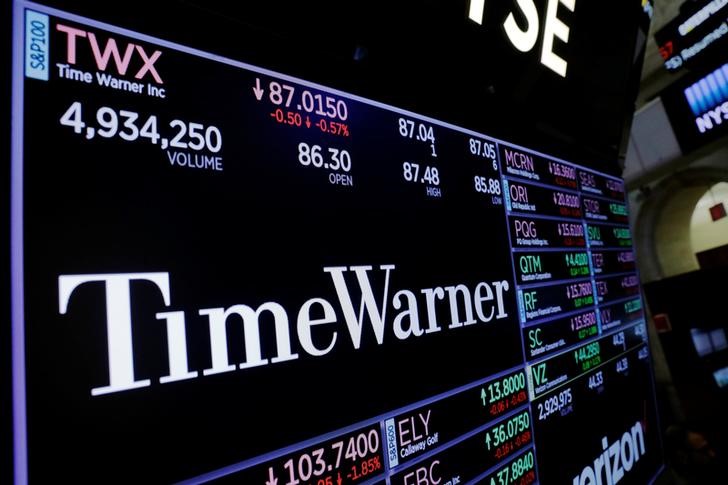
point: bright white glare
(477, 9)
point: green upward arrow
(482, 396)
(487, 440)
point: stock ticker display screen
(227, 274)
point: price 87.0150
(288, 96)
(295, 106)
(129, 126)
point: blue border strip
(17, 295)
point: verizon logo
(617, 459)
(381, 313)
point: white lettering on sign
(524, 38)
(464, 305)
(617, 458)
(701, 16)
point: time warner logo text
(114, 61)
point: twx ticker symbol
(111, 50)
(525, 40)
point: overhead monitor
(696, 38)
(697, 107)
